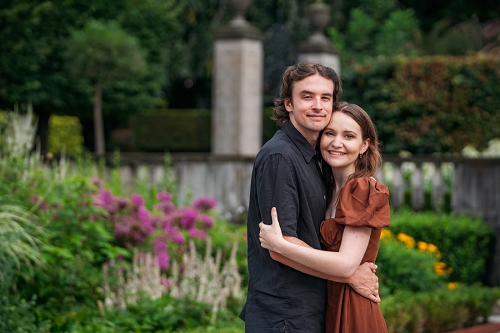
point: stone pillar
(318, 47)
(237, 86)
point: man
(286, 175)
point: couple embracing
(312, 269)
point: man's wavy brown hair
(296, 73)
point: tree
(103, 53)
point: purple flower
(106, 200)
(164, 196)
(34, 198)
(97, 182)
(195, 233)
(166, 207)
(188, 218)
(163, 260)
(137, 200)
(159, 245)
(176, 236)
(207, 221)
(145, 219)
(204, 203)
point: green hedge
(181, 130)
(186, 130)
(429, 104)
(65, 134)
(438, 311)
(466, 244)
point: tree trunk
(98, 122)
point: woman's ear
(364, 146)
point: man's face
(311, 106)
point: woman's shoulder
(364, 202)
(365, 184)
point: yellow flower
(433, 248)
(422, 246)
(386, 233)
(440, 268)
(452, 285)
(407, 240)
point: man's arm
(363, 281)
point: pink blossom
(188, 218)
(106, 200)
(164, 196)
(176, 236)
(166, 207)
(165, 281)
(207, 221)
(34, 198)
(204, 203)
(145, 219)
(195, 233)
(97, 182)
(137, 200)
(163, 260)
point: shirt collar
(305, 148)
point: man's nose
(317, 103)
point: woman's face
(342, 142)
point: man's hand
(365, 282)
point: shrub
(428, 104)
(465, 243)
(173, 130)
(401, 266)
(438, 311)
(65, 135)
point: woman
(358, 209)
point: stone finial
(239, 8)
(238, 27)
(319, 16)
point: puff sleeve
(363, 202)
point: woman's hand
(270, 236)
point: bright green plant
(65, 135)
(465, 243)
(438, 311)
(401, 266)
(19, 255)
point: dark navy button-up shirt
(285, 175)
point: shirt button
(324, 197)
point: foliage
(465, 243)
(35, 37)
(438, 311)
(173, 131)
(429, 104)
(377, 28)
(402, 266)
(162, 315)
(19, 255)
(103, 52)
(65, 135)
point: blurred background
(153, 56)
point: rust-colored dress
(363, 202)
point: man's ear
(288, 104)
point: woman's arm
(363, 281)
(342, 264)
